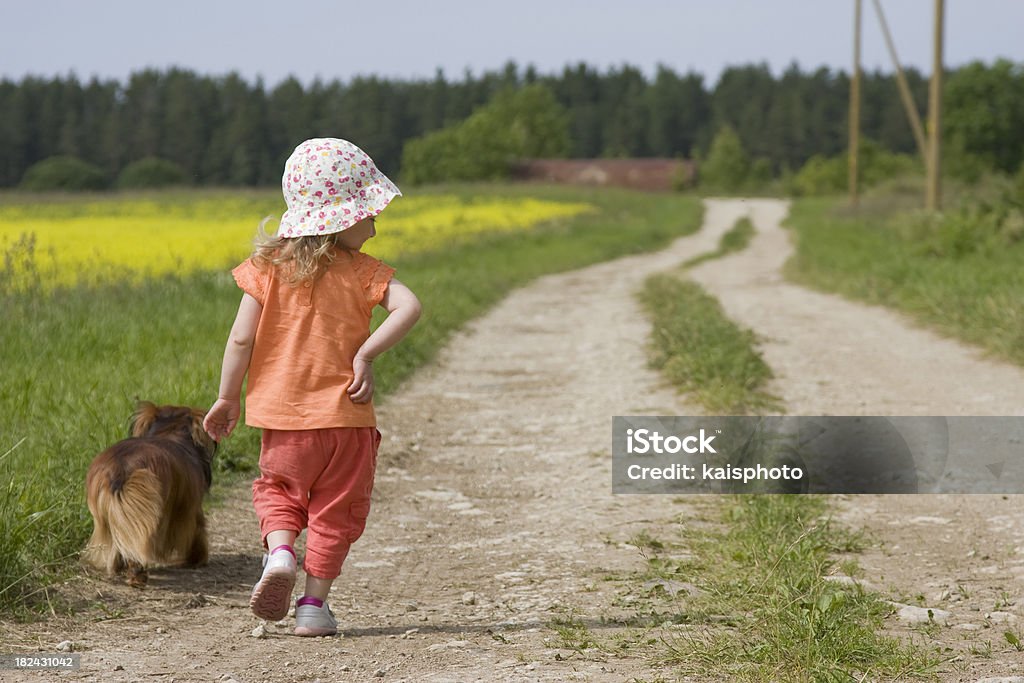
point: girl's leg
(272, 594)
(280, 499)
(276, 539)
(339, 500)
(317, 588)
(289, 464)
(313, 617)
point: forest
(225, 131)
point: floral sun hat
(330, 185)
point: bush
(151, 172)
(515, 125)
(824, 176)
(760, 172)
(63, 173)
(989, 221)
(878, 164)
(727, 166)
(977, 227)
(820, 176)
(963, 165)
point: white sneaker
(272, 594)
(311, 620)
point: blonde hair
(300, 259)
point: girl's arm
(223, 415)
(403, 311)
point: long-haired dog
(146, 493)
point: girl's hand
(222, 417)
(361, 388)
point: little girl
(303, 335)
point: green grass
(702, 352)
(573, 634)
(73, 362)
(959, 275)
(766, 613)
(735, 239)
(695, 345)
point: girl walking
(302, 334)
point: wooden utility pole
(933, 194)
(854, 151)
(904, 88)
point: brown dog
(146, 494)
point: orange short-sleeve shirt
(305, 342)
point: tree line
(223, 130)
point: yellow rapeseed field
(82, 242)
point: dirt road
(493, 517)
(959, 553)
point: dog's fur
(146, 492)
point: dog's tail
(133, 513)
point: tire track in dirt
(831, 356)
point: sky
(412, 39)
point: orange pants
(318, 479)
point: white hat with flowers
(329, 185)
